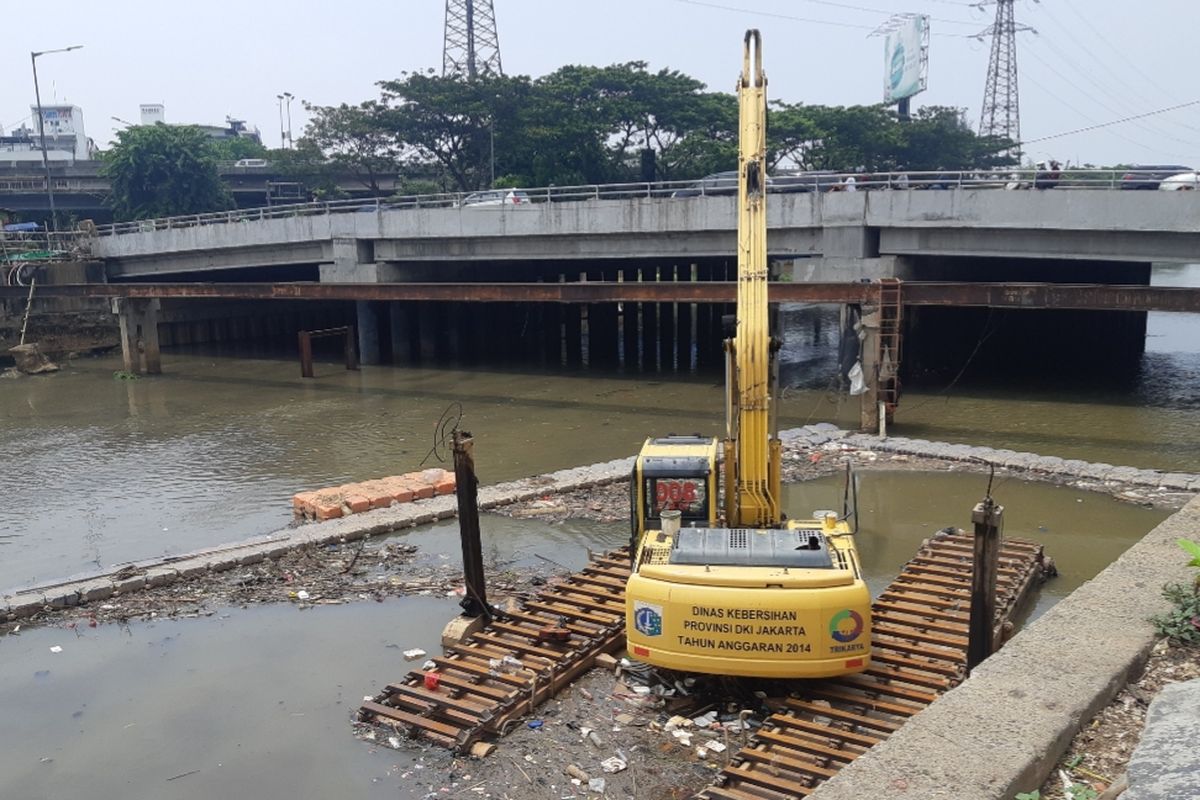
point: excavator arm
(752, 454)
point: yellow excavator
(741, 590)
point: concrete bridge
(850, 235)
(967, 235)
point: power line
(1083, 115)
(777, 16)
(792, 18)
(1103, 88)
(1100, 125)
(1083, 93)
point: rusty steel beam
(1074, 296)
(994, 295)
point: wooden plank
(890, 688)
(807, 745)
(946, 667)
(833, 712)
(865, 701)
(463, 685)
(906, 632)
(428, 696)
(826, 731)
(380, 710)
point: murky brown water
(98, 471)
(257, 702)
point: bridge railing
(467, 202)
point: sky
(1086, 63)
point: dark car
(1149, 176)
(718, 183)
(815, 181)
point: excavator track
(484, 685)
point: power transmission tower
(1001, 98)
(472, 46)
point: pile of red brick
(353, 498)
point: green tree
(938, 137)
(239, 147)
(355, 140)
(453, 123)
(163, 170)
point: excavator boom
(752, 455)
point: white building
(66, 140)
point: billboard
(906, 58)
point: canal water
(257, 702)
(98, 471)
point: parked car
(495, 197)
(718, 183)
(1183, 182)
(251, 162)
(1143, 176)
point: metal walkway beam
(1097, 297)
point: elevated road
(850, 230)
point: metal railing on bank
(518, 198)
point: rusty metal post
(306, 363)
(474, 602)
(987, 518)
(351, 353)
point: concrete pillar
(574, 334)
(367, 326)
(629, 332)
(428, 343)
(552, 334)
(685, 313)
(401, 339)
(139, 335)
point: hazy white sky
(1091, 61)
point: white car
(1185, 181)
(495, 197)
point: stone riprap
(1166, 763)
(823, 433)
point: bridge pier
(139, 335)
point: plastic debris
(432, 679)
(715, 746)
(414, 654)
(394, 742)
(704, 720)
(302, 595)
(595, 739)
(613, 764)
(534, 724)
(596, 785)
(56, 649)
(576, 773)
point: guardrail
(780, 184)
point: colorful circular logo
(846, 626)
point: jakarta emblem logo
(647, 618)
